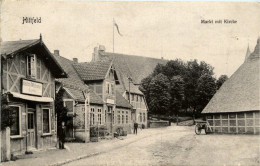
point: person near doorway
(135, 128)
(62, 135)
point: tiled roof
(89, 71)
(241, 91)
(73, 83)
(13, 47)
(121, 101)
(137, 67)
(9, 47)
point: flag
(117, 29)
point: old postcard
(129, 83)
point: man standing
(62, 135)
(135, 128)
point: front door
(31, 136)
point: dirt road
(178, 145)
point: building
(29, 72)
(130, 70)
(75, 98)
(235, 106)
(102, 78)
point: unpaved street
(178, 145)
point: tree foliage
(160, 98)
(221, 80)
(60, 110)
(7, 119)
(190, 85)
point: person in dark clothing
(62, 135)
(135, 128)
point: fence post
(8, 145)
(5, 145)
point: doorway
(31, 129)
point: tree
(7, 119)
(60, 110)
(160, 98)
(221, 80)
(194, 72)
(206, 90)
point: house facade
(84, 105)
(29, 72)
(101, 77)
(131, 70)
(235, 107)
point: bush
(93, 131)
(99, 131)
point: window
(128, 96)
(144, 117)
(123, 119)
(15, 128)
(141, 117)
(46, 120)
(99, 116)
(108, 88)
(31, 66)
(141, 99)
(126, 119)
(132, 97)
(105, 116)
(136, 97)
(118, 119)
(38, 68)
(112, 89)
(92, 116)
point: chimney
(75, 60)
(95, 55)
(57, 52)
(102, 48)
(162, 57)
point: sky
(153, 29)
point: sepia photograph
(120, 83)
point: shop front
(28, 78)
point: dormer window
(31, 66)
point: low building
(29, 72)
(131, 70)
(235, 106)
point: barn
(235, 107)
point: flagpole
(113, 34)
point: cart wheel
(197, 129)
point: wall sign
(31, 87)
(110, 101)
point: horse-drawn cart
(202, 125)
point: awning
(32, 98)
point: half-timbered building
(235, 106)
(28, 77)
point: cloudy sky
(155, 29)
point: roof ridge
(133, 55)
(20, 40)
